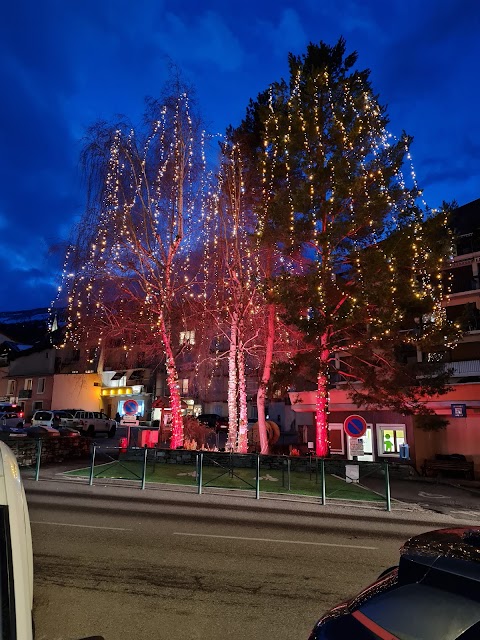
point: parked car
(12, 424)
(50, 418)
(92, 422)
(433, 594)
(8, 407)
(213, 420)
(42, 431)
(68, 432)
(11, 415)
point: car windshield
(420, 612)
(43, 415)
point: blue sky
(66, 64)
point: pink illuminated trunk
(262, 389)
(176, 439)
(232, 386)
(321, 406)
(242, 446)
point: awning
(118, 375)
(137, 376)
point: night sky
(65, 64)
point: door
(367, 446)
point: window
(41, 385)
(38, 405)
(184, 384)
(28, 384)
(136, 376)
(11, 387)
(187, 337)
(389, 439)
(337, 441)
(118, 375)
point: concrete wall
(77, 391)
(462, 435)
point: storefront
(386, 430)
(122, 390)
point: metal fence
(322, 479)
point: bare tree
(129, 264)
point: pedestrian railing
(322, 479)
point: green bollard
(39, 459)
(257, 479)
(289, 465)
(199, 473)
(387, 488)
(322, 479)
(144, 470)
(92, 464)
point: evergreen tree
(340, 201)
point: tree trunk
(321, 407)
(176, 439)
(242, 446)
(232, 386)
(262, 388)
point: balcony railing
(464, 368)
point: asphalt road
(131, 564)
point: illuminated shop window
(389, 439)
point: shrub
(196, 431)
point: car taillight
(20, 415)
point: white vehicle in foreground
(16, 554)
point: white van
(16, 554)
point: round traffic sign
(130, 407)
(355, 426)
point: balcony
(23, 394)
(464, 368)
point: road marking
(315, 544)
(424, 494)
(82, 526)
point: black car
(433, 594)
(213, 420)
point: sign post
(355, 427)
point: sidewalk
(454, 497)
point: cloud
(286, 35)
(205, 38)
